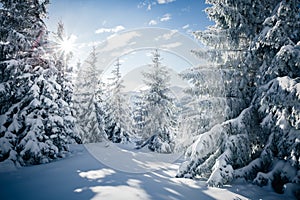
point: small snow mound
(7, 166)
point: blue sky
(92, 21)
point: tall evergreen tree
(117, 111)
(36, 124)
(138, 115)
(160, 120)
(88, 102)
(266, 130)
(62, 57)
(275, 53)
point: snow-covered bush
(160, 144)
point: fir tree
(88, 103)
(266, 130)
(138, 115)
(62, 57)
(160, 109)
(116, 108)
(206, 105)
(276, 55)
(36, 125)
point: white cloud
(94, 44)
(171, 45)
(190, 31)
(73, 38)
(167, 36)
(147, 3)
(164, 1)
(187, 9)
(123, 40)
(166, 17)
(111, 36)
(152, 22)
(186, 26)
(110, 30)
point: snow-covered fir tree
(226, 43)
(36, 124)
(276, 56)
(116, 108)
(89, 101)
(205, 104)
(261, 142)
(160, 109)
(62, 53)
(138, 116)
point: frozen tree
(228, 41)
(275, 53)
(261, 142)
(138, 115)
(160, 109)
(88, 101)
(61, 51)
(36, 123)
(206, 105)
(62, 55)
(117, 111)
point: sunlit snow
(80, 176)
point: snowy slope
(81, 176)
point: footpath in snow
(99, 171)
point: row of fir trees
(42, 112)
(106, 113)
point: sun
(67, 45)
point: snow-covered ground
(121, 173)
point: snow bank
(129, 159)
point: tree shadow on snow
(107, 183)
